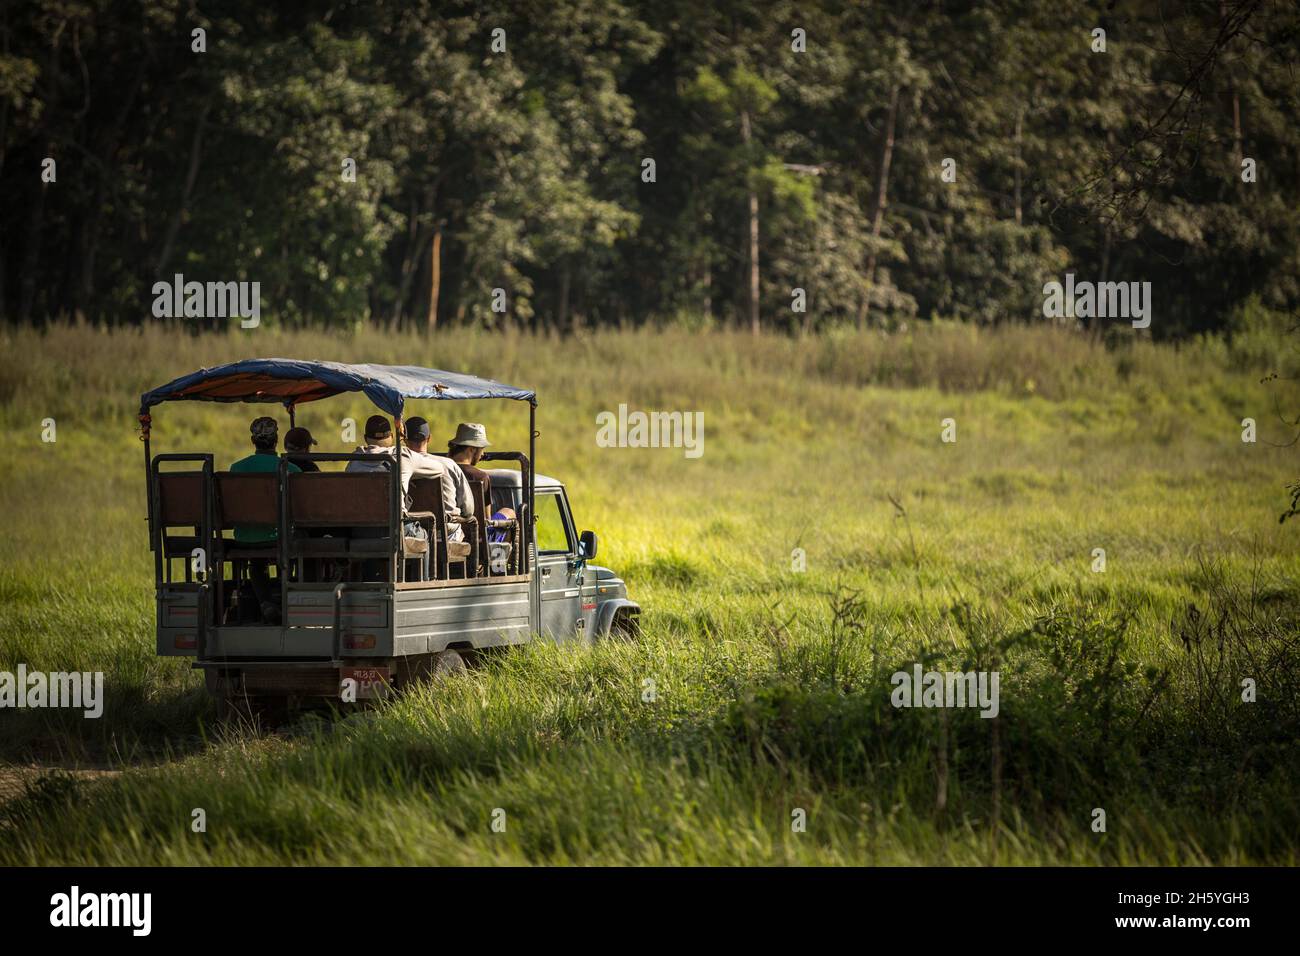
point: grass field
(1121, 690)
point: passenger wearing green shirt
(266, 436)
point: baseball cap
(377, 427)
(417, 429)
(299, 438)
(264, 429)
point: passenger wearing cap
(418, 463)
(379, 441)
(266, 435)
(298, 442)
(466, 450)
(415, 463)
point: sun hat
(470, 433)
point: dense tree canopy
(623, 160)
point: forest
(767, 166)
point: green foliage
(1264, 340)
(520, 170)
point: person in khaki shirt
(418, 463)
(379, 441)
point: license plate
(371, 682)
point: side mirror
(587, 545)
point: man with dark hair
(297, 443)
(418, 463)
(266, 436)
(379, 441)
(466, 450)
(414, 463)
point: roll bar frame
(528, 469)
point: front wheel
(625, 628)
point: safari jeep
(370, 595)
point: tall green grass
(1121, 690)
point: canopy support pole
(530, 524)
(532, 475)
(397, 562)
(144, 420)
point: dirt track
(14, 780)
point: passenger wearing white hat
(466, 450)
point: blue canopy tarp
(292, 382)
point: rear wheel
(430, 667)
(236, 707)
(447, 664)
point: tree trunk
(882, 199)
(106, 142)
(1236, 130)
(1020, 122)
(435, 279)
(31, 256)
(1237, 149)
(708, 289)
(191, 177)
(563, 307)
(32, 244)
(753, 263)
(1105, 252)
(415, 239)
(746, 135)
